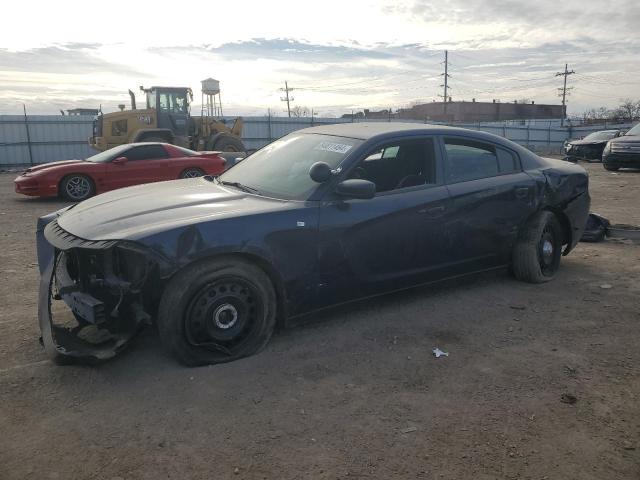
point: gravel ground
(354, 392)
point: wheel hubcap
(77, 187)
(225, 316)
(547, 250)
(192, 174)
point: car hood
(137, 212)
(52, 165)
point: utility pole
(564, 89)
(286, 98)
(445, 93)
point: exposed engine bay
(97, 299)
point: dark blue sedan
(322, 216)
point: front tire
(536, 256)
(611, 168)
(77, 187)
(217, 311)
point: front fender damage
(93, 302)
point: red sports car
(117, 167)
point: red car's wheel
(191, 173)
(76, 187)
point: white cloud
(338, 55)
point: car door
(144, 163)
(394, 239)
(490, 198)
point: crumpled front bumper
(86, 340)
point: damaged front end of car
(95, 296)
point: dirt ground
(354, 392)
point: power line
(566, 73)
(286, 98)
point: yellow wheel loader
(166, 118)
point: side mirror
(120, 160)
(320, 172)
(356, 188)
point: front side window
(165, 102)
(469, 160)
(173, 102)
(281, 169)
(400, 164)
(146, 152)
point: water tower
(211, 101)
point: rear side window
(146, 152)
(468, 160)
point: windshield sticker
(333, 147)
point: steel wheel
(223, 314)
(77, 187)
(548, 252)
(192, 173)
(217, 310)
(537, 252)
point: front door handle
(432, 212)
(522, 192)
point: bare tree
(629, 110)
(593, 115)
(300, 111)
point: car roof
(379, 131)
(368, 130)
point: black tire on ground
(536, 255)
(217, 311)
(228, 143)
(191, 172)
(76, 187)
(611, 168)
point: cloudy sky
(338, 55)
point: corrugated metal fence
(45, 138)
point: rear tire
(77, 187)
(611, 168)
(191, 173)
(217, 311)
(536, 256)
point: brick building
(480, 111)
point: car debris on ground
(439, 353)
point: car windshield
(281, 169)
(108, 155)
(605, 135)
(634, 131)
